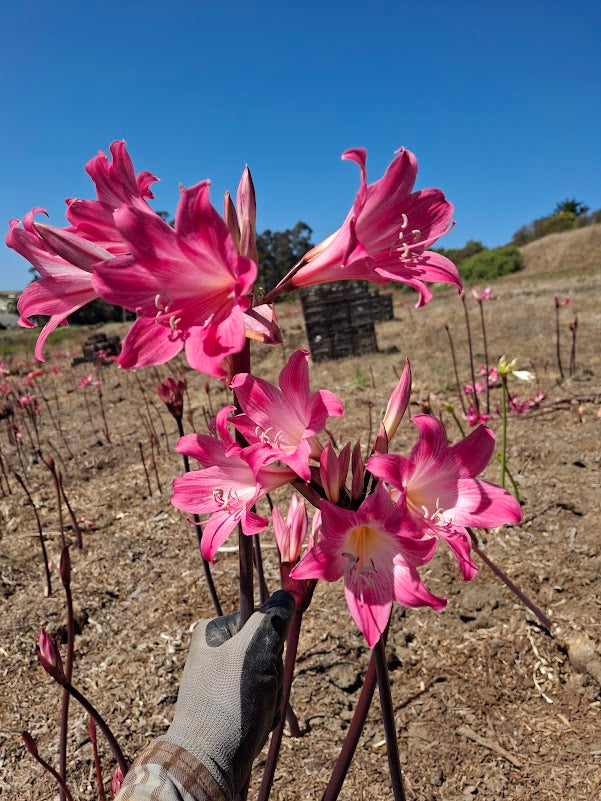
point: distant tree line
(566, 216)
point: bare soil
(488, 705)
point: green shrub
(489, 264)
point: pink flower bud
(172, 395)
(329, 473)
(358, 472)
(231, 219)
(291, 534)
(65, 567)
(246, 205)
(399, 400)
(117, 781)
(50, 658)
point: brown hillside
(571, 251)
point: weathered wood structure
(340, 318)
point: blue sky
(499, 101)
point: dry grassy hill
(570, 251)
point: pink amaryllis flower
(386, 233)
(116, 183)
(437, 486)
(286, 420)
(483, 294)
(231, 482)
(378, 562)
(65, 262)
(189, 285)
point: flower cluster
(377, 522)
(191, 285)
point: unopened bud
(65, 567)
(50, 657)
(117, 781)
(399, 400)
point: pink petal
(473, 453)
(479, 503)
(369, 599)
(320, 563)
(409, 589)
(216, 531)
(148, 343)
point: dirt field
(488, 705)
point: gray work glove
(230, 694)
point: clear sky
(499, 101)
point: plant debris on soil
(488, 705)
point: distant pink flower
(290, 533)
(437, 486)
(559, 301)
(171, 392)
(89, 380)
(228, 486)
(65, 268)
(485, 294)
(189, 285)
(386, 233)
(287, 419)
(474, 418)
(379, 564)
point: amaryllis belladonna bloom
(386, 233)
(484, 294)
(116, 183)
(378, 562)
(231, 482)
(286, 420)
(65, 268)
(474, 418)
(189, 285)
(437, 487)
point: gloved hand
(230, 693)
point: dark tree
(571, 206)
(279, 251)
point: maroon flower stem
(241, 364)
(459, 392)
(198, 529)
(144, 398)
(102, 412)
(557, 342)
(485, 356)
(58, 454)
(59, 499)
(32, 748)
(154, 465)
(546, 621)
(85, 397)
(258, 558)
(102, 725)
(69, 674)
(471, 352)
(144, 466)
(276, 737)
(353, 734)
(74, 522)
(574, 328)
(392, 746)
(40, 534)
(97, 768)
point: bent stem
(392, 746)
(276, 737)
(102, 725)
(69, 674)
(544, 620)
(40, 535)
(32, 748)
(349, 746)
